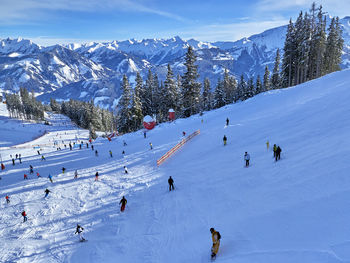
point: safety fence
(176, 147)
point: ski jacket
(24, 213)
(47, 191)
(170, 181)
(79, 229)
(247, 157)
(123, 201)
(278, 150)
(7, 197)
(225, 139)
(215, 237)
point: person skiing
(43, 158)
(38, 152)
(92, 147)
(80, 146)
(123, 201)
(125, 169)
(13, 161)
(2, 167)
(25, 177)
(38, 175)
(20, 158)
(123, 152)
(96, 153)
(24, 216)
(70, 146)
(50, 178)
(171, 183)
(246, 158)
(47, 191)
(225, 139)
(96, 176)
(63, 170)
(183, 133)
(278, 153)
(274, 150)
(227, 121)
(124, 143)
(215, 235)
(267, 144)
(76, 174)
(79, 231)
(16, 156)
(7, 199)
(87, 145)
(110, 153)
(144, 135)
(31, 169)
(150, 145)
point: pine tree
(125, 121)
(258, 85)
(136, 103)
(191, 88)
(288, 63)
(206, 96)
(171, 92)
(275, 79)
(147, 95)
(219, 95)
(241, 90)
(266, 83)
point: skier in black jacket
(171, 183)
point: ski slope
(293, 210)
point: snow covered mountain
(292, 210)
(94, 70)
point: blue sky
(48, 22)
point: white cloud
(14, 11)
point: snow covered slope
(293, 210)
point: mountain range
(94, 70)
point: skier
(92, 147)
(125, 169)
(183, 133)
(70, 146)
(80, 146)
(63, 170)
(96, 176)
(25, 177)
(215, 235)
(110, 153)
(87, 145)
(50, 178)
(2, 167)
(38, 152)
(123, 201)
(144, 135)
(96, 153)
(225, 139)
(267, 144)
(16, 156)
(7, 199)
(76, 174)
(13, 161)
(246, 158)
(171, 183)
(79, 230)
(278, 153)
(47, 191)
(123, 152)
(24, 216)
(274, 150)
(38, 175)
(31, 169)
(227, 121)
(124, 143)
(150, 145)
(43, 158)
(20, 158)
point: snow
(83, 94)
(14, 54)
(293, 210)
(24, 78)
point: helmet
(211, 229)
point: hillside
(293, 210)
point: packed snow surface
(293, 210)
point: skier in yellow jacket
(215, 235)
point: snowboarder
(79, 230)
(13, 161)
(43, 158)
(123, 201)
(110, 153)
(267, 144)
(96, 176)
(47, 191)
(7, 199)
(246, 158)
(50, 178)
(227, 121)
(151, 146)
(144, 135)
(31, 169)
(25, 177)
(76, 174)
(125, 169)
(278, 153)
(96, 153)
(274, 150)
(171, 183)
(215, 235)
(38, 175)
(225, 139)
(63, 170)
(24, 216)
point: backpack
(219, 236)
